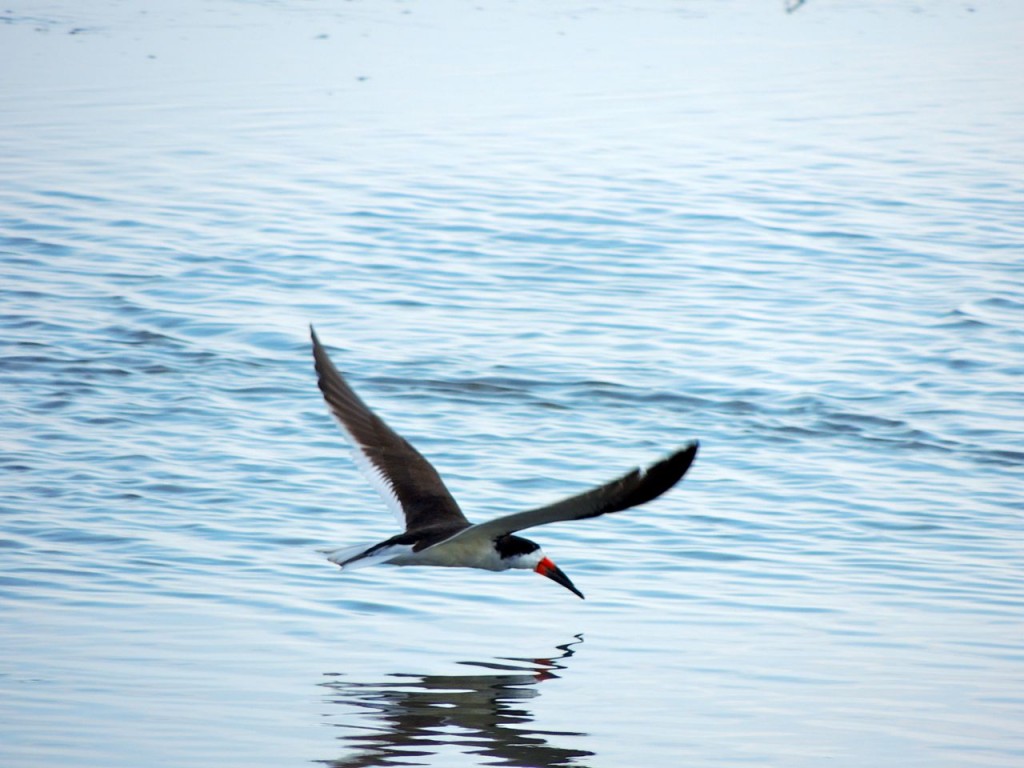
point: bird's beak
(546, 568)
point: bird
(437, 533)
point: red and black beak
(546, 568)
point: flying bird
(436, 532)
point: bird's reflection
(414, 718)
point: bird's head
(518, 552)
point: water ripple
(541, 282)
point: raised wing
(408, 483)
(630, 490)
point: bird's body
(438, 548)
(436, 532)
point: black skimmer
(436, 531)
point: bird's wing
(636, 487)
(408, 483)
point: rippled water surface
(548, 242)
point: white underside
(380, 482)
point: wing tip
(688, 452)
(681, 460)
(663, 475)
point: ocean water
(548, 243)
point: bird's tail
(357, 557)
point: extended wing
(408, 482)
(634, 488)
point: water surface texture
(548, 242)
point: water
(548, 243)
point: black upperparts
(512, 546)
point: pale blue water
(548, 242)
